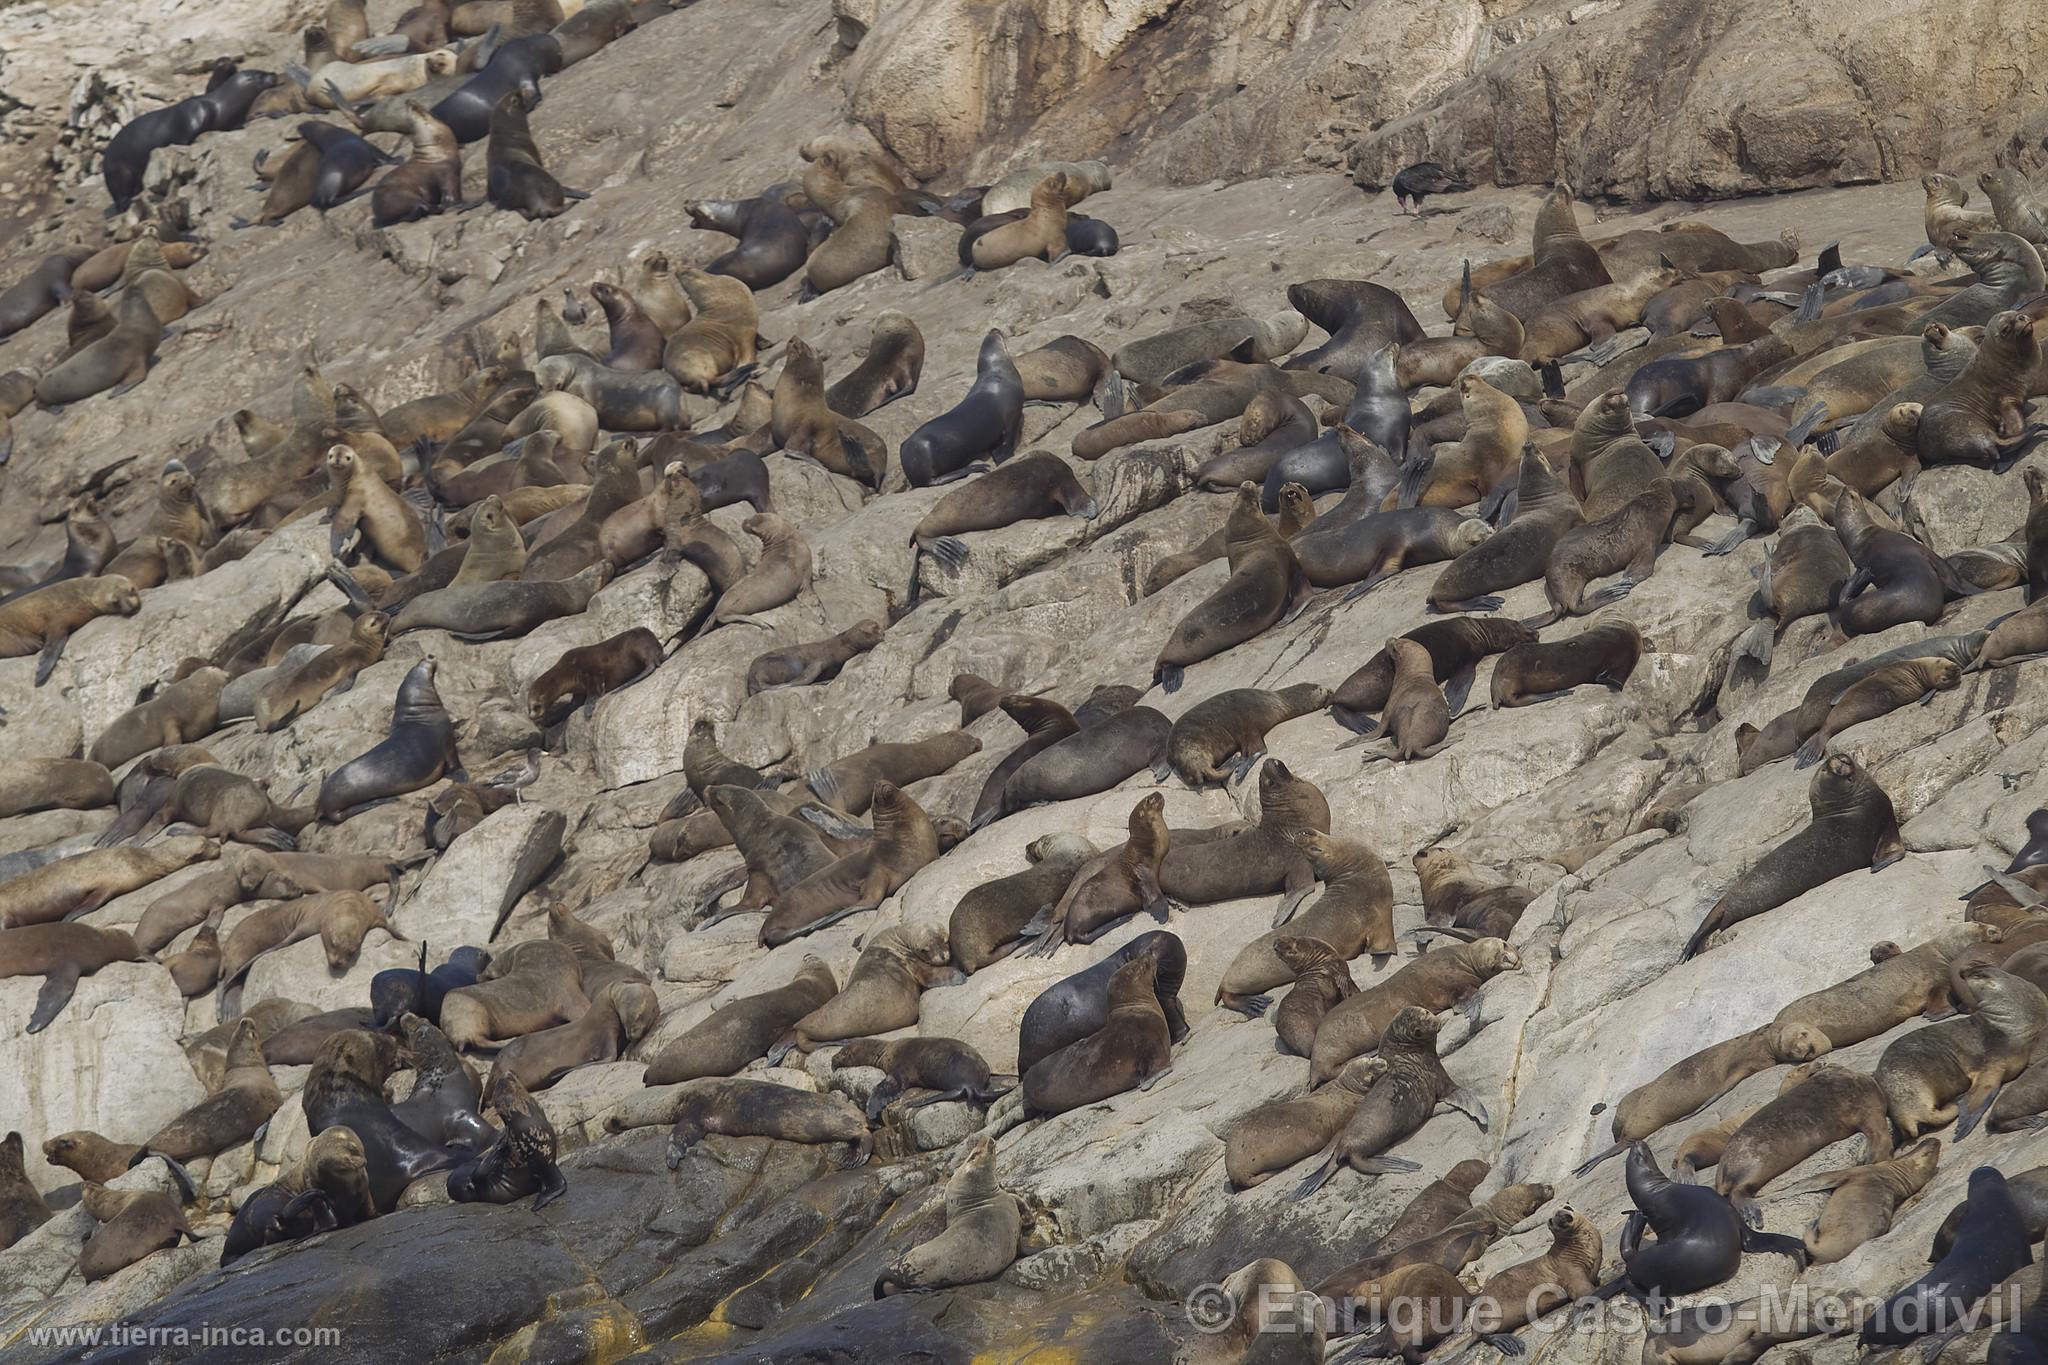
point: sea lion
(890, 370)
(1517, 553)
(904, 841)
(1322, 981)
(293, 691)
(1234, 722)
(1853, 826)
(82, 882)
(816, 662)
(1962, 423)
(527, 987)
(418, 752)
(520, 1162)
(946, 1066)
(514, 65)
(1562, 261)
(984, 1225)
(1877, 694)
(363, 505)
(986, 422)
(584, 674)
(341, 919)
(327, 1187)
(500, 610)
(22, 1209)
(1237, 862)
(1626, 541)
(186, 710)
(636, 343)
(42, 622)
(881, 992)
(849, 783)
(131, 1226)
(1700, 1236)
(773, 240)
(345, 1090)
(1536, 672)
(1039, 485)
(624, 400)
(782, 571)
(1456, 897)
(1991, 1243)
(1133, 1047)
(1354, 915)
(1267, 1141)
(1438, 980)
(1864, 1199)
(1041, 232)
(37, 784)
(429, 181)
(802, 423)
(1496, 429)
(398, 991)
(1091, 760)
(744, 1029)
(1804, 576)
(619, 1015)
(222, 804)
(1398, 1104)
(1014, 190)
(716, 346)
(1263, 579)
(1955, 1068)
(1067, 369)
(1360, 317)
(244, 1101)
(1516, 1296)
(1415, 718)
(988, 922)
(1114, 885)
(1077, 1006)
(747, 1108)
(1455, 648)
(1818, 1105)
(1892, 990)
(1683, 1088)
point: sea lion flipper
(1467, 1103)
(58, 985)
(1972, 1107)
(1587, 1166)
(1505, 1344)
(53, 650)
(1768, 1243)
(553, 1184)
(1890, 846)
(1727, 544)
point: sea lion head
(440, 62)
(1799, 1043)
(1943, 189)
(1360, 1074)
(1132, 983)
(1414, 1026)
(2011, 330)
(341, 463)
(1492, 955)
(116, 596)
(1152, 808)
(638, 1008)
(859, 1052)
(1943, 674)
(370, 627)
(1471, 531)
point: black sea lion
(1990, 1244)
(345, 1089)
(1076, 1006)
(1133, 1047)
(419, 751)
(984, 423)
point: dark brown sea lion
(748, 1108)
(1455, 648)
(849, 783)
(520, 1162)
(1519, 552)
(1095, 759)
(1538, 672)
(131, 1226)
(1113, 885)
(1259, 861)
(946, 1066)
(988, 923)
(1322, 981)
(22, 1209)
(1398, 1104)
(744, 1029)
(1853, 827)
(515, 179)
(418, 752)
(1562, 261)
(1354, 915)
(584, 674)
(1263, 580)
(985, 423)
(1132, 1048)
(773, 240)
(1234, 723)
(1073, 1008)
(1039, 485)
(904, 841)
(891, 368)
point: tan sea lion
(904, 841)
(816, 662)
(1322, 980)
(984, 1226)
(61, 954)
(1416, 718)
(41, 622)
(1131, 1049)
(529, 987)
(1262, 581)
(1438, 980)
(1864, 1200)
(246, 1099)
(1954, 1069)
(1398, 1104)
(290, 694)
(131, 1226)
(1818, 1105)
(744, 1029)
(881, 992)
(749, 1108)
(1112, 886)
(1455, 896)
(1354, 915)
(1267, 1141)
(83, 882)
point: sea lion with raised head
(1113, 885)
(1455, 648)
(773, 240)
(418, 752)
(985, 423)
(984, 1228)
(1438, 980)
(1237, 862)
(1954, 1069)
(1398, 1104)
(904, 841)
(881, 992)
(41, 623)
(1354, 915)
(1132, 1048)
(1267, 1141)
(1075, 1007)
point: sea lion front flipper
(1467, 1103)
(53, 650)
(833, 822)
(1773, 1243)
(1505, 1344)
(1458, 687)
(1289, 903)
(1891, 846)
(825, 783)
(58, 986)
(1161, 1074)
(1972, 1107)
(553, 1184)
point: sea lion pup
(904, 841)
(1234, 722)
(881, 992)
(782, 571)
(245, 1100)
(1354, 915)
(1039, 485)
(1416, 718)
(983, 1228)
(22, 1209)
(292, 691)
(132, 1225)
(1962, 423)
(1879, 693)
(1075, 1007)
(1818, 1105)
(803, 424)
(1322, 981)
(737, 1107)
(1267, 1141)
(326, 1188)
(1626, 541)
(1516, 1296)
(1944, 212)
(1042, 232)
(1864, 1200)
(417, 753)
(1954, 1069)
(1458, 899)
(514, 178)
(364, 506)
(1517, 553)
(1853, 827)
(817, 662)
(41, 622)
(81, 883)
(1539, 672)
(946, 1066)
(715, 347)
(584, 674)
(891, 368)
(1398, 1104)
(985, 424)
(1438, 980)
(744, 1029)
(849, 783)
(520, 1162)
(1264, 578)
(1991, 1244)
(1112, 886)
(1455, 648)
(1132, 1049)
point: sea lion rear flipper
(1707, 929)
(1505, 1344)
(1385, 1165)
(58, 985)
(1814, 1184)
(1972, 1107)
(1812, 751)
(53, 650)
(825, 783)
(1829, 260)
(1467, 1103)
(1161, 1074)
(835, 823)
(1765, 1243)
(1727, 544)
(1553, 379)
(1319, 1177)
